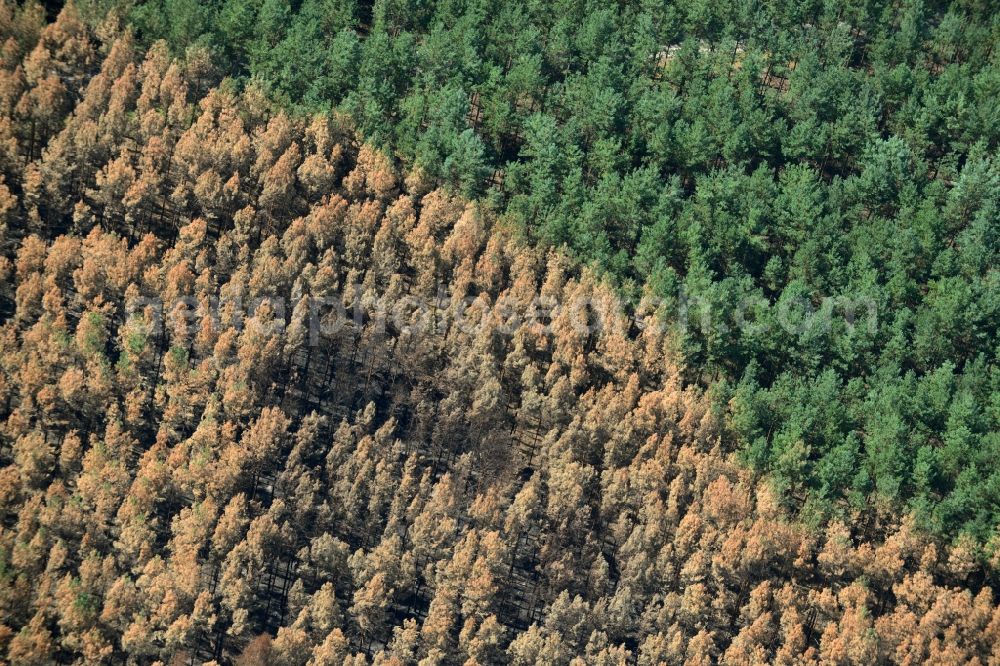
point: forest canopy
(761, 169)
(269, 393)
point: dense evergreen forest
(761, 168)
(292, 372)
